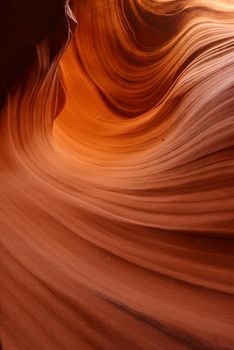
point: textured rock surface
(116, 173)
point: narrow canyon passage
(116, 173)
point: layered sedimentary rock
(116, 172)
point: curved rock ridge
(117, 168)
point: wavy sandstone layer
(117, 167)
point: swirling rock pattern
(117, 169)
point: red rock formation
(116, 158)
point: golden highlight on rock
(117, 174)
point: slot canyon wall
(116, 173)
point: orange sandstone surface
(117, 175)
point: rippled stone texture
(117, 167)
